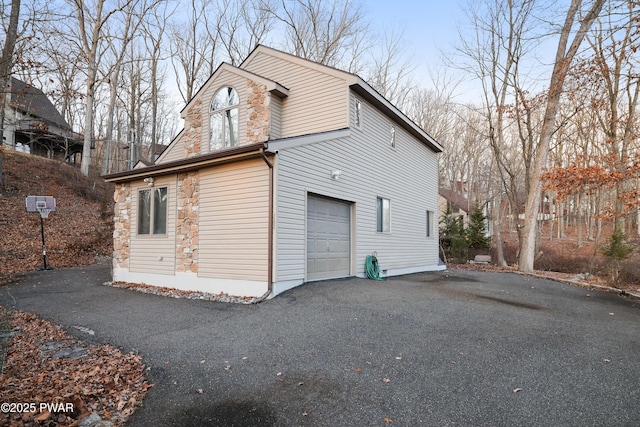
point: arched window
(224, 119)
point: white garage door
(328, 238)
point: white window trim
(380, 215)
(393, 136)
(430, 224)
(357, 113)
(224, 111)
(152, 213)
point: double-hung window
(223, 116)
(152, 211)
(383, 223)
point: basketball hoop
(44, 212)
(44, 205)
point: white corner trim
(192, 282)
(280, 287)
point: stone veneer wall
(257, 112)
(193, 130)
(188, 194)
(122, 225)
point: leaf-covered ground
(79, 231)
(43, 364)
(46, 365)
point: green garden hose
(372, 268)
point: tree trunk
(579, 221)
(6, 63)
(497, 234)
(88, 122)
(564, 57)
(106, 166)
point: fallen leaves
(103, 381)
(179, 293)
(78, 233)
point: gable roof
(456, 199)
(271, 85)
(335, 72)
(359, 86)
(30, 100)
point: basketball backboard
(37, 203)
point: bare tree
(331, 33)
(118, 47)
(92, 20)
(564, 56)
(154, 28)
(617, 80)
(189, 42)
(502, 36)
(241, 25)
(391, 70)
(6, 63)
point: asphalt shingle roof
(33, 101)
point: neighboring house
(286, 171)
(33, 124)
(455, 203)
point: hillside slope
(79, 233)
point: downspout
(270, 233)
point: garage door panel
(328, 238)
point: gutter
(270, 233)
(192, 163)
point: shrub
(617, 247)
(565, 260)
(477, 230)
(453, 238)
(616, 251)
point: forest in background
(549, 148)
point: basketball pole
(44, 248)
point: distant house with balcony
(33, 124)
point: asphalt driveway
(433, 349)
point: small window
(224, 119)
(358, 113)
(152, 211)
(430, 224)
(383, 215)
(393, 136)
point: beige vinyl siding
(154, 253)
(175, 151)
(275, 117)
(371, 168)
(317, 101)
(237, 82)
(234, 221)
